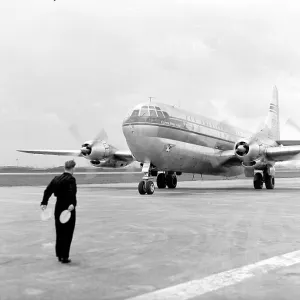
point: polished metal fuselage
(181, 141)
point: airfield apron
(65, 189)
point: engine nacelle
(247, 152)
(96, 152)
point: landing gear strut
(146, 186)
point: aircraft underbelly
(169, 154)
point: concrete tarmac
(126, 244)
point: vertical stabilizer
(272, 129)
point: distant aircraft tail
(271, 127)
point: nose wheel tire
(150, 187)
(142, 188)
(146, 187)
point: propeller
(102, 135)
(87, 149)
(242, 148)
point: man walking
(65, 189)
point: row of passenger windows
(211, 125)
(155, 111)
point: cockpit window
(135, 113)
(145, 106)
(158, 108)
(144, 112)
(151, 107)
(160, 114)
(152, 113)
(166, 114)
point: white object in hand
(46, 214)
(64, 216)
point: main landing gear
(166, 180)
(267, 177)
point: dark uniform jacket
(65, 189)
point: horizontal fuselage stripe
(180, 129)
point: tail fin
(271, 128)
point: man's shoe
(65, 260)
(59, 259)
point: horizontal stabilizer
(54, 152)
(288, 142)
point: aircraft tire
(142, 188)
(161, 181)
(150, 187)
(258, 181)
(171, 180)
(269, 182)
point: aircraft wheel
(258, 181)
(161, 181)
(142, 187)
(171, 181)
(269, 182)
(150, 187)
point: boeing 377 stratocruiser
(169, 141)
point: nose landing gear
(146, 186)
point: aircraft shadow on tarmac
(200, 190)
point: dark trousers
(64, 235)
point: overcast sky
(89, 62)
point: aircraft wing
(288, 142)
(123, 155)
(277, 154)
(283, 153)
(54, 152)
(229, 158)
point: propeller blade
(75, 133)
(291, 122)
(102, 135)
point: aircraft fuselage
(176, 140)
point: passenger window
(135, 113)
(152, 113)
